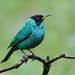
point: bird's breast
(38, 36)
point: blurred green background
(59, 38)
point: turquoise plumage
(29, 36)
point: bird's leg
(25, 56)
(33, 54)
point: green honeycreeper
(29, 36)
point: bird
(29, 36)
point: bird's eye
(38, 18)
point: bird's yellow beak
(46, 16)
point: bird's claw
(26, 58)
(34, 56)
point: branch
(46, 63)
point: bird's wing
(23, 34)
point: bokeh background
(59, 38)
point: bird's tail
(8, 55)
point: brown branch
(46, 63)
(61, 56)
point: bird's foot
(34, 56)
(26, 58)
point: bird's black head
(39, 18)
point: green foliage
(59, 38)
